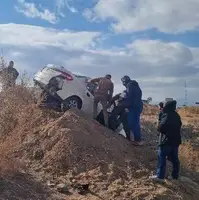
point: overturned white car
(74, 90)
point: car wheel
(71, 102)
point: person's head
(11, 64)
(170, 106)
(108, 76)
(125, 80)
(161, 105)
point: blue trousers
(170, 153)
(134, 122)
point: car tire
(71, 102)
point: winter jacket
(170, 126)
(133, 98)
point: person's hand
(120, 98)
(126, 110)
(108, 105)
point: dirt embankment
(70, 148)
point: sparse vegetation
(72, 148)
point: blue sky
(154, 41)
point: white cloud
(61, 4)
(27, 35)
(161, 68)
(167, 16)
(31, 10)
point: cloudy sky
(155, 42)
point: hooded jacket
(133, 98)
(170, 125)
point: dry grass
(12, 103)
(73, 140)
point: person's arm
(53, 92)
(111, 90)
(17, 74)
(113, 99)
(116, 97)
(95, 80)
(130, 91)
(163, 124)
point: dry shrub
(189, 111)
(12, 102)
(150, 110)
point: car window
(91, 87)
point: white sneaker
(156, 179)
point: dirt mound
(71, 148)
(73, 142)
(189, 154)
(24, 187)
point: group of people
(8, 76)
(129, 107)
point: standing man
(103, 94)
(170, 139)
(9, 75)
(134, 104)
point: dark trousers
(119, 115)
(170, 153)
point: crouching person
(170, 139)
(49, 98)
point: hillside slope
(71, 149)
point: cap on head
(108, 76)
(125, 80)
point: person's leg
(104, 107)
(137, 132)
(113, 116)
(175, 162)
(95, 103)
(163, 152)
(134, 124)
(124, 119)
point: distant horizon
(142, 39)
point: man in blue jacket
(133, 102)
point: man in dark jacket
(120, 110)
(49, 97)
(170, 139)
(133, 102)
(9, 76)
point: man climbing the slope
(170, 139)
(120, 110)
(103, 94)
(9, 76)
(133, 102)
(49, 97)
